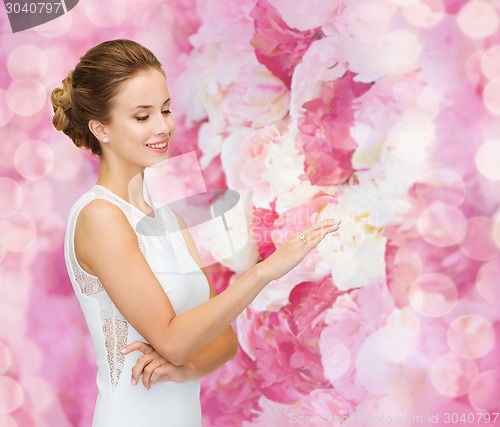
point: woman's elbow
(174, 356)
(232, 346)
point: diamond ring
(303, 238)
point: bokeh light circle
(56, 27)
(484, 392)
(18, 232)
(69, 160)
(395, 52)
(478, 19)
(18, 281)
(407, 268)
(444, 185)
(40, 392)
(424, 13)
(491, 96)
(11, 196)
(7, 420)
(34, 159)
(473, 67)
(442, 225)
(116, 12)
(433, 295)
(471, 336)
(367, 21)
(5, 358)
(51, 228)
(39, 198)
(6, 113)
(27, 61)
(487, 159)
(27, 346)
(490, 62)
(478, 243)
(13, 310)
(487, 282)
(451, 374)
(11, 395)
(26, 97)
(496, 232)
(411, 136)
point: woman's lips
(159, 147)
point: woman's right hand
(293, 250)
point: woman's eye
(142, 118)
(166, 112)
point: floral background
(384, 113)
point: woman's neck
(129, 186)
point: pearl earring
(104, 139)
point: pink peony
(324, 128)
(284, 345)
(324, 61)
(353, 317)
(262, 226)
(306, 15)
(271, 230)
(277, 46)
(229, 396)
(242, 157)
(259, 99)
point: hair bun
(61, 104)
(88, 92)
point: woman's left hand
(155, 368)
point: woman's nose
(163, 124)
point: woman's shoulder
(92, 207)
(101, 210)
(100, 220)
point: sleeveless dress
(119, 404)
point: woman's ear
(99, 130)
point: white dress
(119, 404)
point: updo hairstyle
(88, 91)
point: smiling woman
(145, 317)
(140, 122)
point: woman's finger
(149, 369)
(316, 226)
(313, 237)
(317, 236)
(161, 372)
(139, 366)
(137, 345)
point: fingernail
(134, 382)
(122, 351)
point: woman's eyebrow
(149, 106)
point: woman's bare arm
(107, 244)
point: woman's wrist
(263, 272)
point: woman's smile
(159, 147)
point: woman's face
(141, 123)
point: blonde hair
(87, 92)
